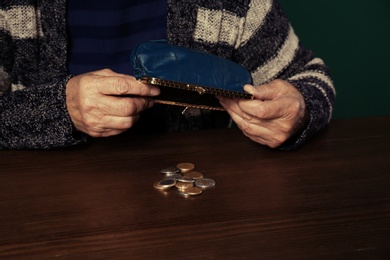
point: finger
(123, 106)
(125, 85)
(265, 134)
(229, 104)
(263, 92)
(113, 123)
(106, 133)
(262, 110)
(269, 91)
(253, 110)
(110, 125)
(232, 107)
(109, 72)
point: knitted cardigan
(253, 33)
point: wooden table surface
(328, 200)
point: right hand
(97, 105)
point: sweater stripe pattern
(257, 35)
(253, 33)
(33, 76)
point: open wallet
(188, 77)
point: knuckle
(106, 70)
(93, 126)
(95, 134)
(90, 125)
(295, 108)
(247, 116)
(142, 104)
(85, 81)
(246, 127)
(122, 86)
(87, 105)
(134, 106)
(273, 145)
(277, 82)
(126, 108)
(278, 139)
(284, 128)
(126, 122)
(261, 111)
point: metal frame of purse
(187, 77)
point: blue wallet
(188, 77)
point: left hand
(277, 112)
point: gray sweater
(253, 33)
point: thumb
(262, 92)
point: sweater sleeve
(316, 86)
(37, 118)
(270, 49)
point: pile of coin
(184, 177)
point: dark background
(353, 38)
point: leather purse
(187, 77)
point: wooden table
(328, 200)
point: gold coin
(182, 186)
(185, 167)
(193, 191)
(194, 175)
(157, 186)
(165, 184)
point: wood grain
(328, 200)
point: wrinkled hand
(277, 112)
(96, 104)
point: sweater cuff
(319, 108)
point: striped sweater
(253, 33)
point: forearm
(36, 118)
(277, 54)
(313, 80)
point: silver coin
(205, 183)
(170, 170)
(185, 179)
(173, 176)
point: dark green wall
(353, 38)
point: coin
(188, 182)
(170, 170)
(165, 184)
(182, 186)
(194, 175)
(157, 186)
(205, 183)
(173, 176)
(185, 179)
(193, 191)
(185, 167)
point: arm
(41, 107)
(33, 78)
(278, 62)
(36, 118)
(61, 114)
(104, 103)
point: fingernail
(250, 89)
